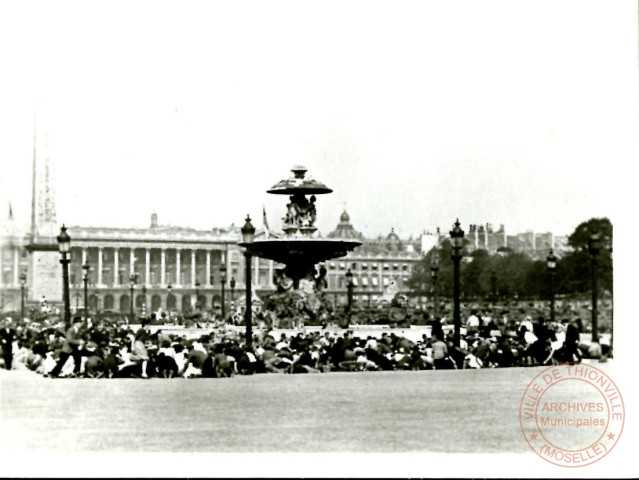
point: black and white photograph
(318, 238)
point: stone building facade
(178, 268)
(379, 265)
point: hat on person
(77, 319)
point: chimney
(154, 220)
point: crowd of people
(112, 350)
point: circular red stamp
(572, 415)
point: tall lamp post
(232, 293)
(85, 280)
(457, 242)
(594, 246)
(144, 300)
(248, 232)
(493, 286)
(223, 282)
(434, 271)
(64, 245)
(197, 294)
(132, 282)
(551, 263)
(349, 291)
(23, 284)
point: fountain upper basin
(301, 250)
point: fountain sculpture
(300, 248)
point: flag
(267, 232)
(10, 212)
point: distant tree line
(517, 275)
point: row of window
(404, 267)
(364, 282)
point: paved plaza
(461, 411)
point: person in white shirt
(472, 323)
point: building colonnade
(167, 277)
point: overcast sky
(520, 113)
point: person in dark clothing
(571, 351)
(540, 348)
(111, 362)
(72, 347)
(166, 366)
(247, 362)
(436, 329)
(503, 355)
(208, 366)
(7, 336)
(381, 360)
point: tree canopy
(518, 275)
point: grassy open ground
(429, 411)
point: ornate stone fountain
(300, 248)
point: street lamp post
(223, 282)
(197, 294)
(144, 300)
(85, 279)
(349, 291)
(248, 232)
(23, 284)
(434, 270)
(132, 282)
(551, 262)
(64, 245)
(232, 293)
(493, 286)
(594, 246)
(457, 241)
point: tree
(574, 268)
(517, 274)
(511, 273)
(537, 280)
(578, 240)
(474, 274)
(421, 281)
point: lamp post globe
(457, 242)
(248, 231)
(64, 246)
(248, 234)
(594, 247)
